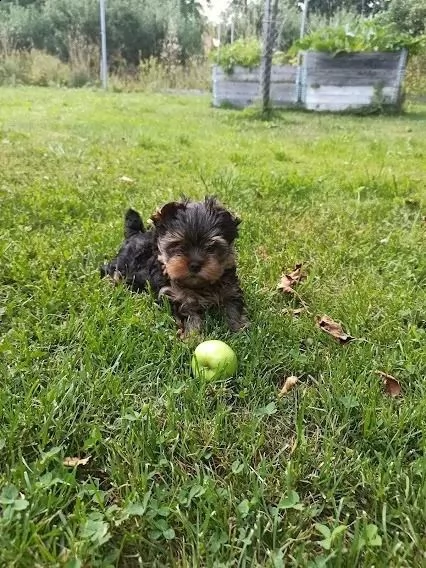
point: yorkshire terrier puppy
(188, 257)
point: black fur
(188, 257)
(136, 262)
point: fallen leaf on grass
(289, 280)
(295, 313)
(290, 382)
(262, 253)
(392, 386)
(126, 179)
(334, 329)
(73, 462)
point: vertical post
(399, 96)
(269, 17)
(232, 30)
(104, 68)
(304, 16)
(299, 85)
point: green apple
(214, 360)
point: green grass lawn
(227, 474)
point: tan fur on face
(177, 268)
(211, 271)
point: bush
(135, 30)
(246, 53)
(46, 70)
(15, 69)
(288, 25)
(33, 68)
(366, 35)
(407, 16)
(242, 52)
(415, 78)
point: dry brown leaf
(295, 312)
(127, 179)
(262, 253)
(290, 382)
(73, 462)
(334, 329)
(289, 280)
(392, 386)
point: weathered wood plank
(327, 98)
(352, 80)
(351, 68)
(284, 73)
(365, 59)
(326, 82)
(241, 88)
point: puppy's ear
(212, 203)
(167, 213)
(132, 224)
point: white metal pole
(304, 16)
(104, 69)
(299, 78)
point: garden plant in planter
(358, 68)
(236, 76)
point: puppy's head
(195, 241)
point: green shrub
(32, 68)
(135, 29)
(408, 16)
(367, 35)
(15, 69)
(244, 52)
(415, 77)
(47, 70)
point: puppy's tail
(132, 224)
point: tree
(190, 9)
(407, 16)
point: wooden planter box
(352, 80)
(241, 87)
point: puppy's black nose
(195, 266)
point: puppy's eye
(174, 248)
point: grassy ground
(184, 474)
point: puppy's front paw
(239, 324)
(190, 328)
(190, 336)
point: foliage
(341, 18)
(246, 16)
(366, 35)
(242, 52)
(42, 69)
(181, 473)
(34, 68)
(135, 30)
(289, 20)
(415, 77)
(407, 16)
(328, 8)
(288, 25)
